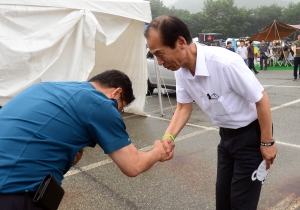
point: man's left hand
(168, 145)
(77, 157)
(269, 154)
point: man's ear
(182, 42)
(116, 92)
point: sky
(169, 2)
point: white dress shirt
(242, 51)
(223, 75)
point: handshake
(164, 148)
(132, 162)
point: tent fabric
(295, 26)
(274, 31)
(72, 41)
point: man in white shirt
(242, 51)
(224, 88)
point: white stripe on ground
(190, 124)
(148, 148)
(281, 86)
(284, 105)
(170, 107)
(180, 138)
(288, 144)
(145, 149)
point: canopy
(275, 31)
(50, 40)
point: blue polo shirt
(43, 128)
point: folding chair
(286, 60)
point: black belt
(19, 201)
(235, 132)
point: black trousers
(18, 202)
(238, 157)
(296, 64)
(251, 64)
(261, 58)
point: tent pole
(275, 29)
(158, 86)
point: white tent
(72, 40)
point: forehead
(154, 40)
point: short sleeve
(182, 95)
(242, 81)
(107, 128)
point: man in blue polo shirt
(44, 127)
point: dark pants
(18, 202)
(251, 64)
(296, 64)
(261, 58)
(238, 157)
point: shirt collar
(201, 69)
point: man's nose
(160, 61)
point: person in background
(223, 87)
(242, 51)
(263, 54)
(296, 57)
(291, 49)
(229, 46)
(251, 57)
(44, 127)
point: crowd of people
(268, 55)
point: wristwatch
(267, 144)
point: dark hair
(242, 41)
(170, 28)
(115, 79)
(250, 42)
(229, 43)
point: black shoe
(294, 79)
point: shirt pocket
(204, 103)
(219, 107)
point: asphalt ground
(188, 180)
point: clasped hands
(165, 148)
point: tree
(195, 24)
(291, 14)
(222, 16)
(191, 20)
(265, 15)
(158, 8)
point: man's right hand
(161, 150)
(168, 145)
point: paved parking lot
(188, 180)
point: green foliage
(265, 15)
(158, 8)
(291, 14)
(222, 16)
